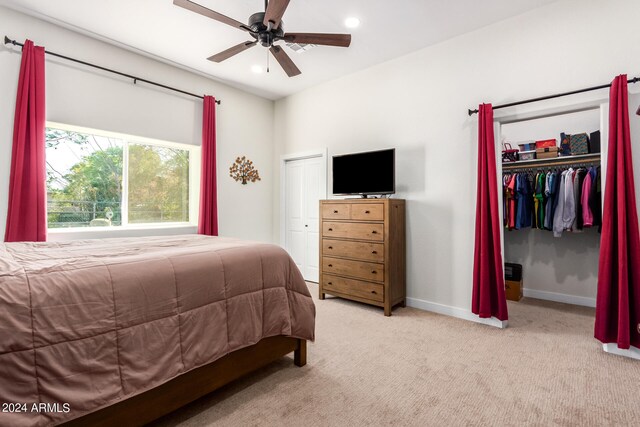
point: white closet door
(314, 189)
(305, 185)
(294, 205)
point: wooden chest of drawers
(362, 251)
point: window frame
(194, 180)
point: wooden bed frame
(186, 388)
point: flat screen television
(371, 172)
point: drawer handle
(330, 265)
(331, 229)
(335, 211)
(329, 283)
(374, 232)
(374, 252)
(374, 272)
(373, 292)
(367, 212)
(330, 247)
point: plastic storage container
(527, 145)
(527, 155)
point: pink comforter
(88, 323)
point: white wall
(418, 104)
(82, 96)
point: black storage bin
(512, 272)
(594, 142)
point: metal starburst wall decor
(243, 170)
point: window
(97, 178)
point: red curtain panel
(27, 210)
(618, 299)
(488, 278)
(208, 220)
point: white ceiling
(388, 29)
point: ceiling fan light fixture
(300, 47)
(265, 28)
(352, 22)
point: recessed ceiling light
(352, 22)
(257, 69)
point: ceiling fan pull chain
(267, 61)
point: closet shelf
(559, 161)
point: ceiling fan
(266, 28)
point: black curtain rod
(135, 79)
(559, 95)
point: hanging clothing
(556, 197)
(511, 201)
(524, 204)
(587, 215)
(551, 195)
(558, 224)
(519, 196)
(546, 193)
(577, 188)
(505, 205)
(569, 211)
(565, 211)
(595, 198)
(528, 202)
(557, 201)
(531, 181)
(536, 192)
(538, 201)
(543, 200)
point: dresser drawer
(336, 211)
(351, 230)
(357, 250)
(356, 288)
(359, 269)
(367, 211)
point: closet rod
(135, 79)
(558, 95)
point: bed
(125, 330)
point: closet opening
(551, 203)
(561, 262)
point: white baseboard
(460, 313)
(632, 352)
(553, 296)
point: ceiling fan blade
(226, 54)
(194, 7)
(274, 12)
(341, 40)
(285, 62)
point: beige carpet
(417, 368)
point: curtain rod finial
(218, 102)
(7, 40)
(472, 112)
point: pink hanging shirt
(587, 215)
